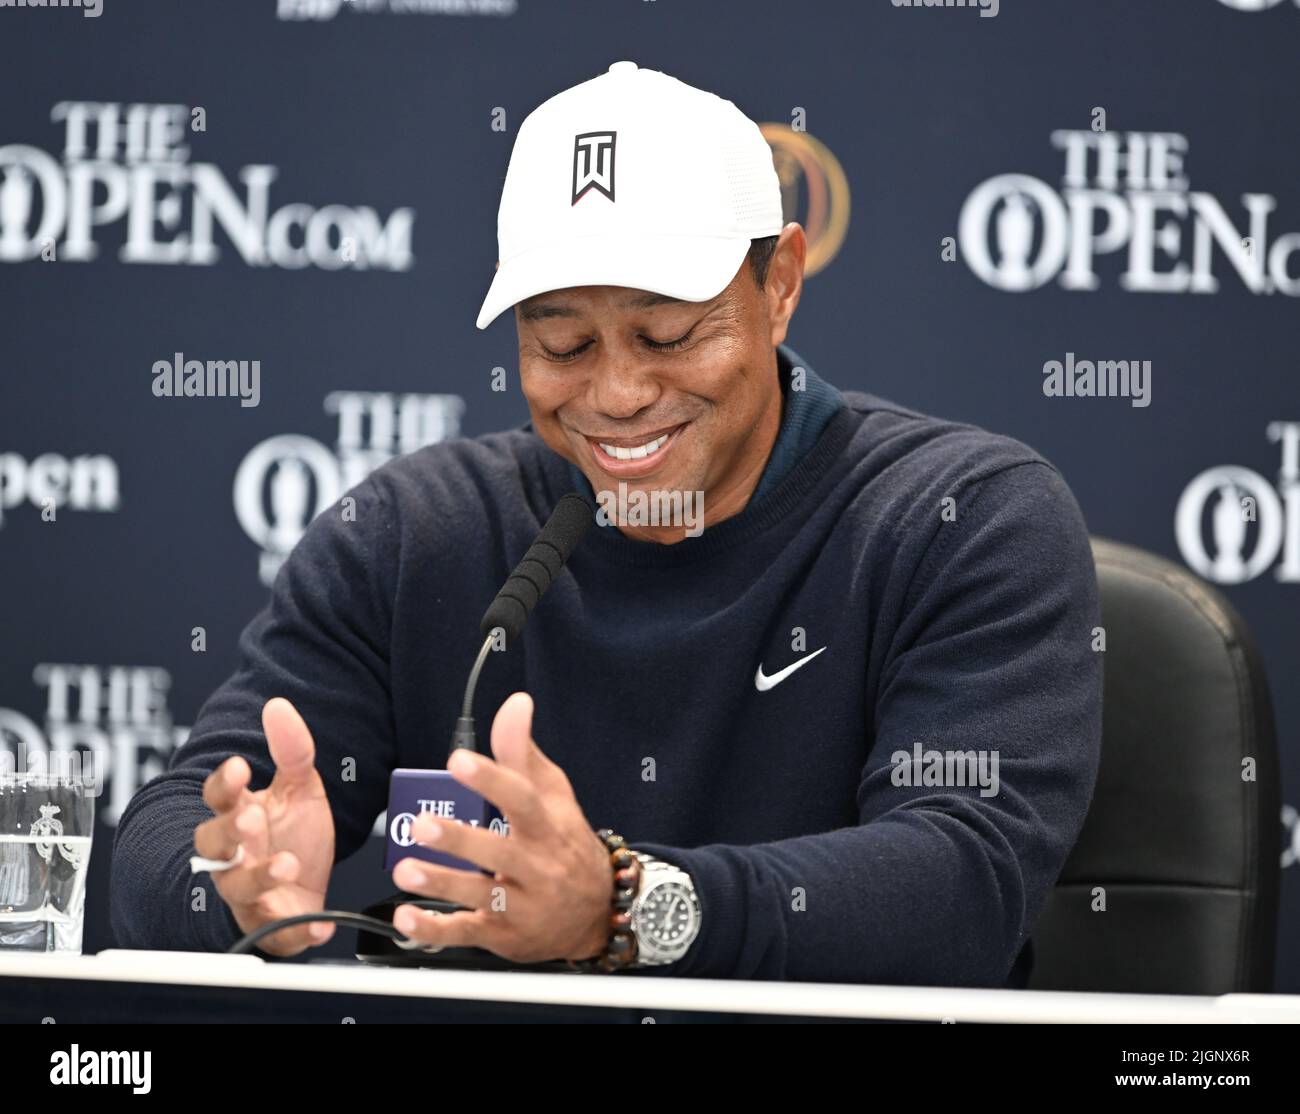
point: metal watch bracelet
(665, 912)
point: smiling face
(660, 394)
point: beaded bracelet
(620, 949)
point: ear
(785, 279)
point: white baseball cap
(632, 179)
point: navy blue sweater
(947, 573)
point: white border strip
(794, 999)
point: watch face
(667, 920)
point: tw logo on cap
(593, 164)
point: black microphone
(568, 524)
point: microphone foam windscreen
(569, 522)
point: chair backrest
(1173, 884)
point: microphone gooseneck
(569, 522)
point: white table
(887, 1003)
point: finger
(244, 885)
(464, 887)
(509, 790)
(290, 743)
(253, 830)
(218, 838)
(223, 787)
(487, 849)
(516, 749)
(446, 930)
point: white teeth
(618, 452)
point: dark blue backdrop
(330, 213)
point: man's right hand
(286, 829)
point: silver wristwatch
(665, 912)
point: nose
(621, 386)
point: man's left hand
(549, 893)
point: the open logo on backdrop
(125, 173)
(286, 481)
(1125, 194)
(1249, 523)
(115, 718)
(51, 482)
(814, 191)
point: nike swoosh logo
(763, 683)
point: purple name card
(411, 792)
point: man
(850, 730)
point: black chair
(1185, 850)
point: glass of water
(46, 824)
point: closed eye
(565, 357)
(667, 345)
(653, 345)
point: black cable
(358, 921)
